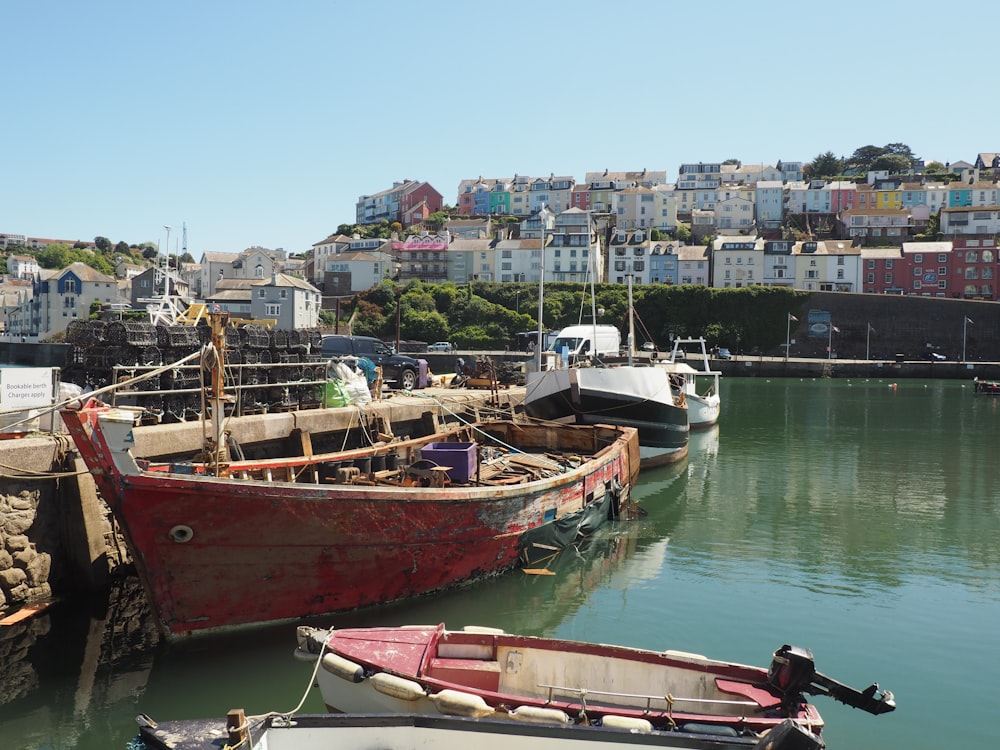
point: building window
(272, 310)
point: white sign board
(22, 391)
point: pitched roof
(283, 279)
(85, 273)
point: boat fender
(720, 730)
(457, 703)
(632, 723)
(343, 668)
(397, 687)
(536, 715)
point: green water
(848, 517)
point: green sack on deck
(335, 394)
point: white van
(578, 341)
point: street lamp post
(788, 334)
(166, 264)
(829, 343)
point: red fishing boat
(485, 672)
(220, 542)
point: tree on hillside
(900, 149)
(933, 167)
(103, 244)
(824, 166)
(122, 248)
(863, 157)
(892, 163)
(53, 256)
(436, 221)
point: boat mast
(631, 322)
(541, 282)
(592, 264)
(215, 446)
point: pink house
(419, 202)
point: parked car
(441, 346)
(397, 369)
(934, 356)
(648, 346)
(723, 353)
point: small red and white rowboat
(485, 672)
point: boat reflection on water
(76, 675)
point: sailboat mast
(631, 322)
(592, 263)
(541, 283)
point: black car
(398, 369)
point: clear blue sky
(260, 123)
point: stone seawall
(52, 534)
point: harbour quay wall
(53, 536)
(57, 534)
(775, 367)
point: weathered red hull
(221, 552)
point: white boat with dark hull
(418, 732)
(703, 401)
(581, 388)
(636, 396)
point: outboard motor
(793, 672)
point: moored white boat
(588, 391)
(704, 401)
(418, 732)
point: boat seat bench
(758, 695)
(476, 673)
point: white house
(293, 302)
(60, 297)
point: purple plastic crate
(460, 458)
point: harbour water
(854, 518)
